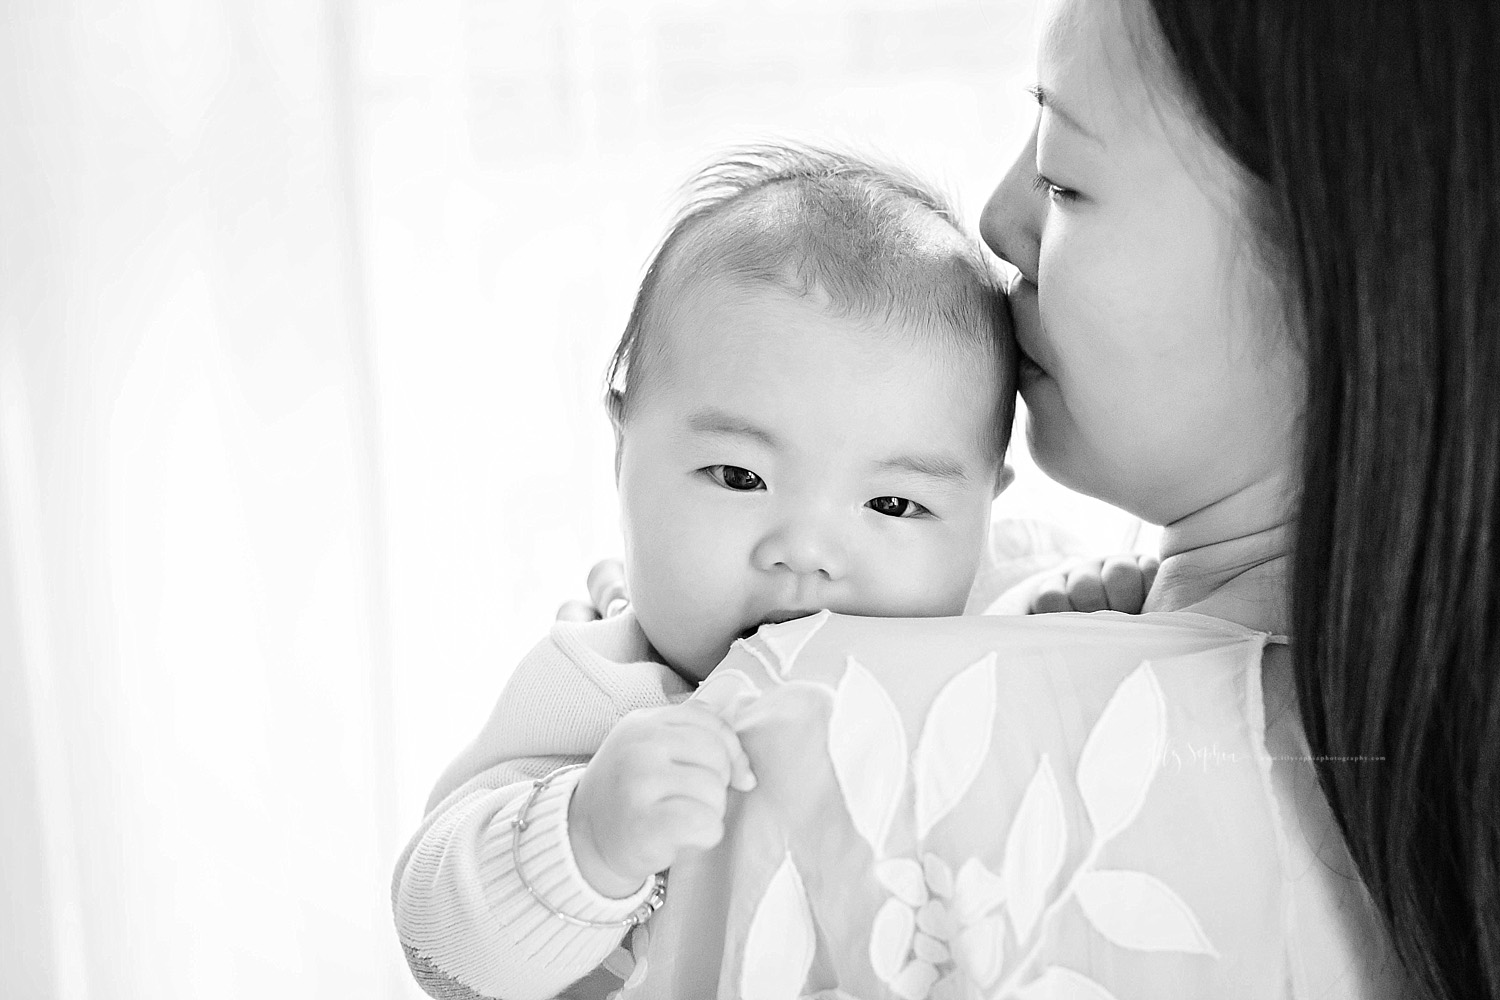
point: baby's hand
(657, 785)
(1119, 583)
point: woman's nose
(1013, 217)
(806, 548)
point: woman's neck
(1212, 565)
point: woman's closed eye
(1054, 192)
(732, 477)
(897, 507)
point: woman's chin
(1045, 436)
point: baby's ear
(1004, 478)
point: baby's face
(783, 459)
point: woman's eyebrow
(1048, 100)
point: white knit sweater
(469, 927)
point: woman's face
(1164, 381)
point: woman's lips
(1027, 320)
(1030, 371)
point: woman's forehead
(1099, 69)
(1104, 66)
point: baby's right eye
(735, 478)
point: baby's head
(811, 402)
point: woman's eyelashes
(1054, 192)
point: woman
(1259, 247)
(1259, 292)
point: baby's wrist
(588, 856)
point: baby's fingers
(606, 584)
(576, 611)
(1051, 596)
(724, 743)
(1086, 589)
(1124, 583)
(1149, 565)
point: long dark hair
(1373, 128)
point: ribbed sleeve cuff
(546, 857)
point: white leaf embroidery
(765, 661)
(913, 982)
(1058, 983)
(727, 692)
(929, 948)
(903, 877)
(1136, 910)
(954, 743)
(890, 938)
(981, 950)
(1034, 849)
(1122, 753)
(867, 743)
(933, 918)
(779, 946)
(787, 639)
(976, 891)
(939, 876)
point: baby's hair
(871, 241)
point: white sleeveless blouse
(1087, 806)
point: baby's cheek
(941, 586)
(684, 609)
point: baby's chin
(694, 661)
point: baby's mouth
(776, 618)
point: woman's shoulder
(1091, 785)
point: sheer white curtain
(250, 605)
(196, 791)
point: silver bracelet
(637, 916)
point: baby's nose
(806, 548)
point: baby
(811, 404)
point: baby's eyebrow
(713, 421)
(933, 466)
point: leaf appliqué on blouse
(890, 938)
(954, 743)
(904, 878)
(913, 981)
(1123, 752)
(1139, 911)
(867, 744)
(728, 692)
(981, 949)
(976, 891)
(779, 947)
(1034, 849)
(787, 640)
(938, 875)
